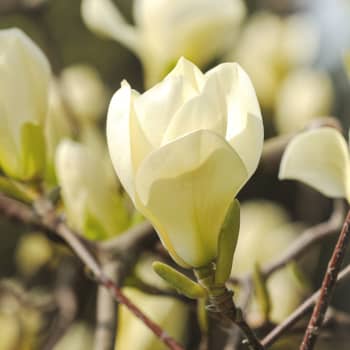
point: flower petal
(319, 158)
(118, 136)
(245, 131)
(185, 189)
(104, 18)
(189, 71)
(24, 85)
(156, 107)
(206, 111)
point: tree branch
(327, 289)
(44, 217)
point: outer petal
(118, 136)
(104, 18)
(185, 188)
(245, 130)
(319, 158)
(157, 106)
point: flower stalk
(220, 300)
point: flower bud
(94, 207)
(84, 92)
(184, 149)
(24, 81)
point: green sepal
(16, 190)
(180, 282)
(261, 292)
(33, 151)
(227, 243)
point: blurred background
(295, 52)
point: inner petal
(206, 111)
(157, 106)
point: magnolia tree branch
(118, 256)
(43, 216)
(327, 289)
(300, 312)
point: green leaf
(180, 282)
(33, 151)
(261, 291)
(227, 243)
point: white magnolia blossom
(165, 29)
(184, 149)
(320, 159)
(93, 205)
(24, 85)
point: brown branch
(106, 311)
(45, 218)
(118, 255)
(300, 312)
(327, 289)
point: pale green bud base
(220, 300)
(219, 297)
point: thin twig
(45, 218)
(118, 256)
(327, 289)
(300, 312)
(106, 311)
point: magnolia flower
(320, 159)
(93, 205)
(165, 30)
(184, 149)
(84, 92)
(304, 94)
(24, 85)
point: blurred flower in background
(166, 30)
(93, 203)
(266, 231)
(171, 314)
(24, 83)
